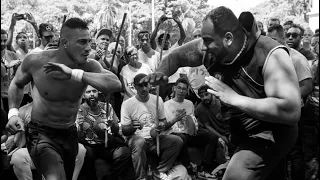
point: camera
(20, 16)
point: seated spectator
(130, 70)
(98, 131)
(182, 122)
(138, 123)
(20, 157)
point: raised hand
(60, 71)
(155, 79)
(221, 90)
(30, 18)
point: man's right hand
(155, 79)
(136, 124)
(14, 125)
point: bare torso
(55, 102)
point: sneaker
(206, 175)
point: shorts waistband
(50, 130)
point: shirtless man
(60, 77)
(254, 78)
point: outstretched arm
(10, 32)
(153, 42)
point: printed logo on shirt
(147, 119)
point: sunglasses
(196, 36)
(294, 35)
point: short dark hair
(274, 19)
(223, 19)
(288, 23)
(182, 80)
(276, 27)
(299, 27)
(19, 35)
(203, 89)
(4, 32)
(74, 23)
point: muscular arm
(282, 104)
(104, 80)
(22, 78)
(189, 54)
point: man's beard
(207, 102)
(92, 102)
(223, 55)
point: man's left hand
(60, 71)
(221, 90)
(30, 18)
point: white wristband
(77, 74)
(13, 112)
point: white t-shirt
(195, 76)
(128, 73)
(152, 58)
(144, 112)
(171, 107)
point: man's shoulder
(130, 101)
(200, 107)
(296, 55)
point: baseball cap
(104, 31)
(45, 27)
(203, 89)
(138, 78)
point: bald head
(223, 19)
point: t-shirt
(308, 54)
(195, 76)
(212, 116)
(144, 112)
(301, 67)
(7, 78)
(171, 107)
(128, 73)
(152, 58)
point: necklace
(240, 52)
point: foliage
(282, 9)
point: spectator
(287, 25)
(306, 40)
(9, 64)
(294, 38)
(138, 122)
(46, 35)
(167, 44)
(146, 54)
(130, 70)
(98, 130)
(273, 21)
(260, 26)
(196, 34)
(103, 39)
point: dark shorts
(53, 151)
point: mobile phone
(20, 16)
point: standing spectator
(260, 26)
(146, 54)
(273, 21)
(130, 70)
(167, 44)
(196, 34)
(138, 122)
(306, 40)
(287, 25)
(46, 35)
(9, 64)
(293, 39)
(103, 39)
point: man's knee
(175, 141)
(122, 153)
(21, 157)
(137, 144)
